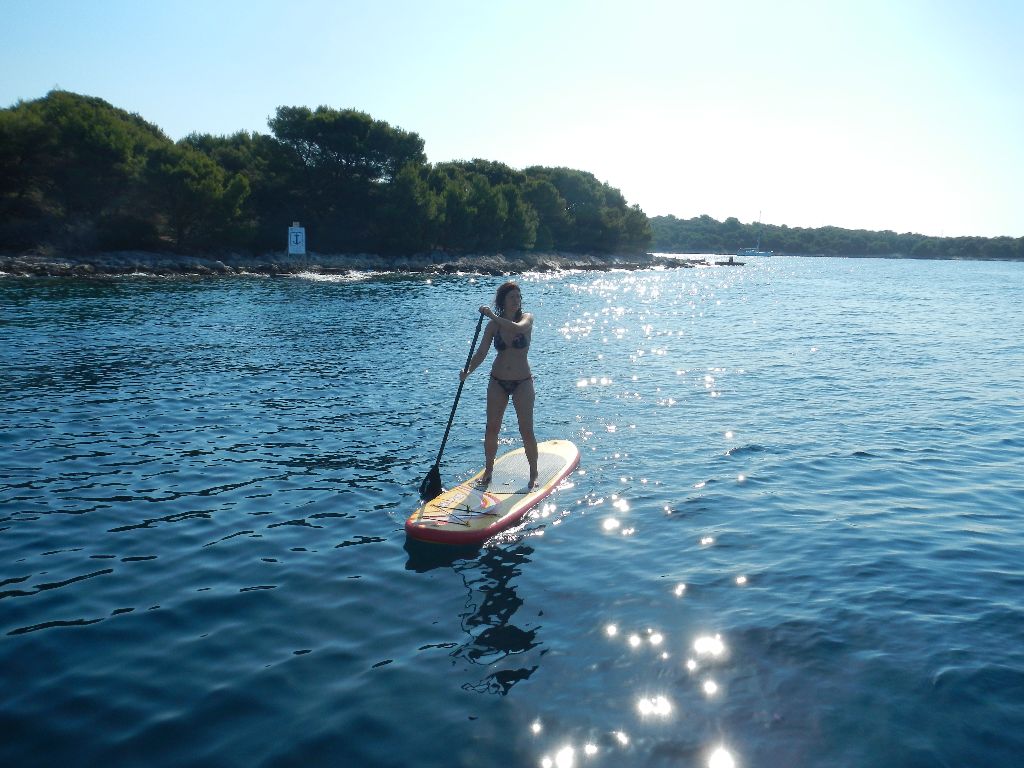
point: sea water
(795, 537)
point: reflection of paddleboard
(471, 513)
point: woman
(510, 330)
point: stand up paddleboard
(470, 513)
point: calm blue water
(795, 538)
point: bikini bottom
(509, 385)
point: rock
(434, 262)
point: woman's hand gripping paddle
(430, 488)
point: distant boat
(730, 263)
(756, 251)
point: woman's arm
(481, 352)
(521, 327)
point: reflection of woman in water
(510, 329)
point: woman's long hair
(499, 299)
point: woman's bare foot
(533, 482)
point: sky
(903, 115)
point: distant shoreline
(168, 264)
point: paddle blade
(431, 488)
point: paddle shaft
(458, 394)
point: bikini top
(519, 341)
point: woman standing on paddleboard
(510, 330)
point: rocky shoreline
(169, 264)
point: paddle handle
(458, 394)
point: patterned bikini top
(519, 341)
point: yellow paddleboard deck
(471, 512)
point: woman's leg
(497, 401)
(523, 399)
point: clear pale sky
(891, 114)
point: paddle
(431, 486)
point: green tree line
(77, 174)
(704, 234)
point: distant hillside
(704, 234)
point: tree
(550, 209)
(23, 161)
(269, 168)
(521, 221)
(456, 224)
(495, 173)
(345, 157)
(95, 149)
(346, 142)
(78, 157)
(409, 220)
(23, 177)
(592, 216)
(637, 229)
(194, 194)
(489, 215)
